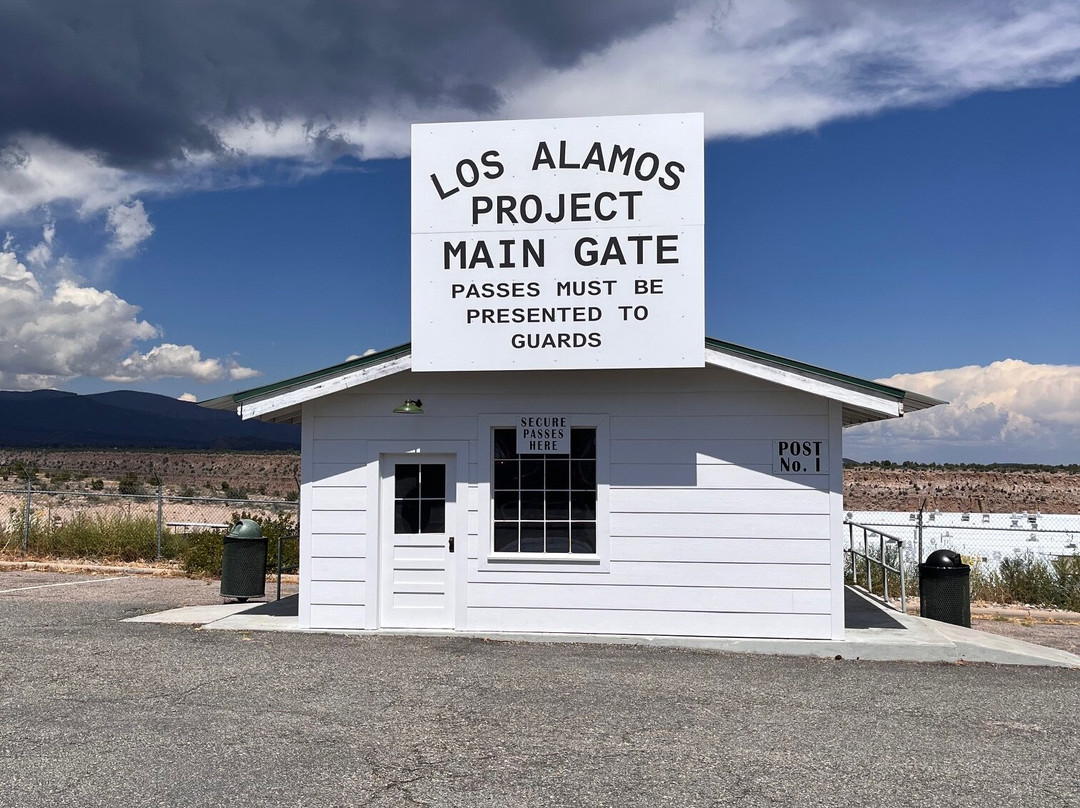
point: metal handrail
(880, 561)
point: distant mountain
(129, 419)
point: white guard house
(683, 502)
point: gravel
(98, 712)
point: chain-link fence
(1020, 557)
(123, 525)
(986, 537)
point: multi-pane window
(544, 503)
(419, 498)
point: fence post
(159, 513)
(26, 517)
(918, 537)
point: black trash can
(243, 563)
(945, 588)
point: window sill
(544, 562)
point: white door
(416, 544)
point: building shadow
(860, 612)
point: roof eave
(863, 401)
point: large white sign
(569, 243)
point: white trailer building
(683, 502)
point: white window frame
(600, 561)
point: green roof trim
(235, 399)
(794, 364)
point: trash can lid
(245, 529)
(944, 558)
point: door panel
(417, 514)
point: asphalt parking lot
(100, 712)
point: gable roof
(862, 400)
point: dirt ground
(1062, 635)
(277, 473)
(274, 474)
(876, 489)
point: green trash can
(243, 562)
(945, 588)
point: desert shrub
(129, 484)
(1067, 570)
(102, 536)
(1027, 579)
(203, 551)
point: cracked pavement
(97, 712)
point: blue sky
(891, 192)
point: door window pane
(419, 498)
(407, 516)
(406, 480)
(432, 516)
(433, 481)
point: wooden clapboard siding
(699, 451)
(337, 545)
(722, 526)
(329, 568)
(652, 598)
(664, 573)
(730, 551)
(712, 501)
(746, 427)
(338, 498)
(337, 616)
(339, 593)
(338, 521)
(754, 477)
(703, 538)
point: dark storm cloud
(138, 82)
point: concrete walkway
(873, 632)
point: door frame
(457, 455)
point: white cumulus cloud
(1008, 411)
(754, 67)
(129, 225)
(51, 334)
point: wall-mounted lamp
(410, 407)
